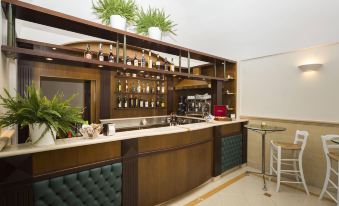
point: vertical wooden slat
(105, 95)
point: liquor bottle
(150, 62)
(128, 61)
(143, 88)
(100, 53)
(119, 101)
(136, 101)
(119, 86)
(162, 103)
(143, 60)
(158, 87)
(172, 69)
(131, 102)
(110, 56)
(166, 64)
(88, 52)
(135, 60)
(139, 87)
(157, 63)
(162, 88)
(146, 103)
(147, 88)
(126, 86)
(153, 90)
(157, 102)
(126, 102)
(141, 103)
(152, 103)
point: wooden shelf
(60, 58)
(32, 13)
(140, 94)
(140, 78)
(140, 108)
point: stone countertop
(28, 148)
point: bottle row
(141, 87)
(139, 102)
(142, 62)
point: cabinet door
(231, 152)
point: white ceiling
(235, 29)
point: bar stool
(297, 148)
(330, 157)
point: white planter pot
(35, 132)
(118, 22)
(155, 33)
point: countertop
(28, 148)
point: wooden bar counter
(155, 164)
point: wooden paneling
(154, 143)
(228, 129)
(52, 161)
(216, 94)
(76, 73)
(169, 174)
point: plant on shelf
(153, 22)
(45, 117)
(116, 12)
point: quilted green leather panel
(95, 187)
(231, 152)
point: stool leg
(295, 156)
(328, 173)
(278, 168)
(271, 160)
(302, 174)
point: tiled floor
(246, 191)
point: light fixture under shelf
(308, 67)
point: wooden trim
(292, 121)
(244, 142)
(216, 152)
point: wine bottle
(131, 102)
(162, 103)
(147, 88)
(166, 64)
(141, 103)
(157, 102)
(152, 103)
(150, 62)
(157, 63)
(158, 87)
(135, 60)
(119, 101)
(172, 66)
(139, 87)
(100, 53)
(88, 52)
(143, 60)
(110, 56)
(146, 103)
(126, 86)
(136, 101)
(128, 61)
(119, 86)
(126, 102)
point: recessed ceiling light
(54, 48)
(100, 66)
(49, 59)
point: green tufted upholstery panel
(231, 152)
(95, 187)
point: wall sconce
(309, 67)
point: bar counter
(140, 167)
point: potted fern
(115, 12)
(45, 117)
(154, 22)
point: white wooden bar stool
(297, 148)
(331, 157)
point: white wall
(274, 87)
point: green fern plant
(104, 9)
(33, 107)
(154, 18)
